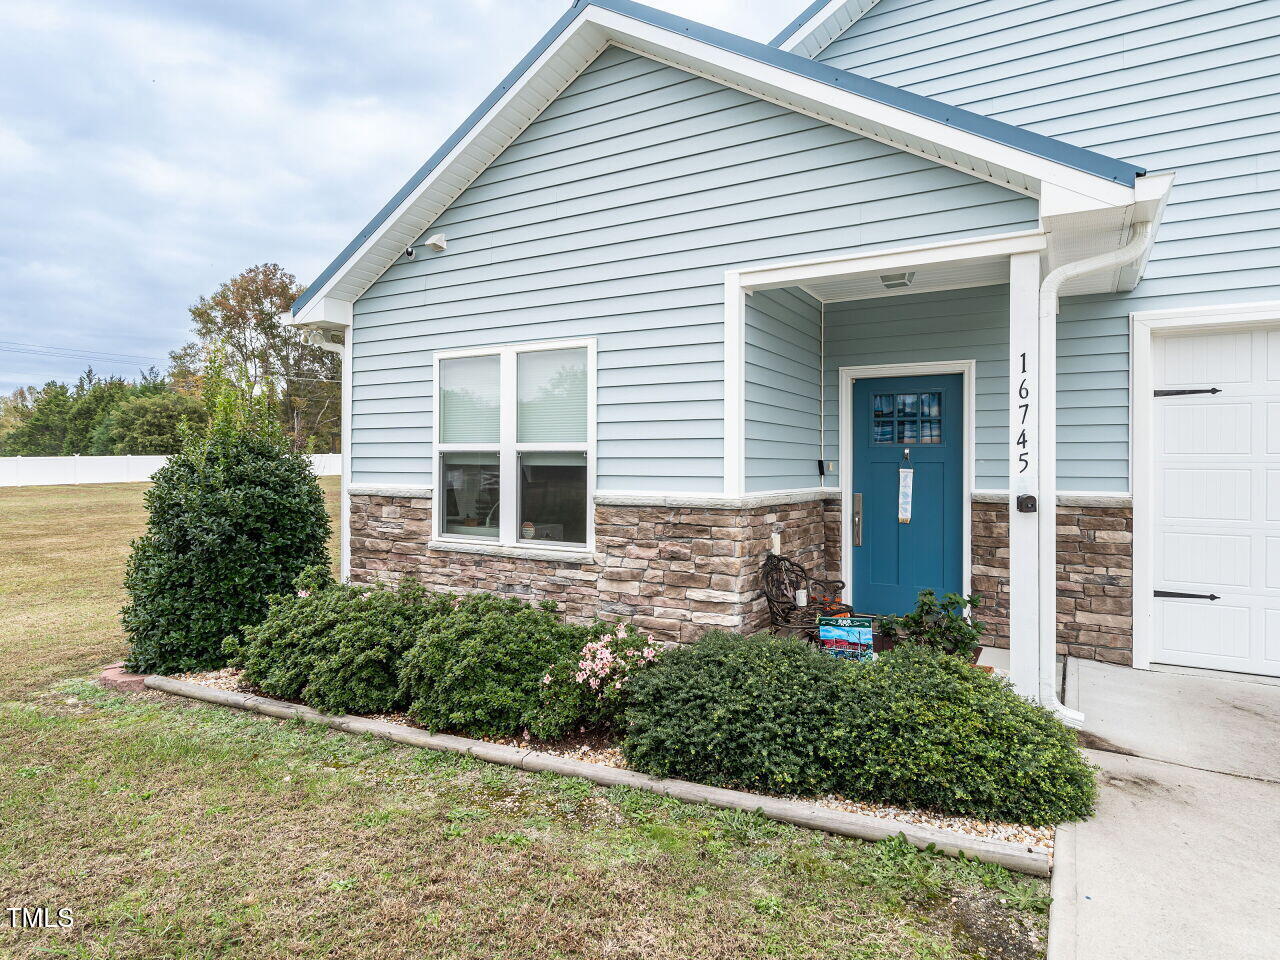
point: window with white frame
(514, 427)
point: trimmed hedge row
(916, 727)
(478, 664)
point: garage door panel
(1271, 639)
(1204, 559)
(1208, 429)
(1203, 629)
(1200, 493)
(1217, 500)
(1272, 581)
(1213, 358)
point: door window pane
(471, 494)
(930, 431)
(906, 418)
(468, 392)
(931, 405)
(552, 390)
(553, 497)
(908, 404)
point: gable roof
(986, 148)
(819, 24)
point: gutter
(1139, 242)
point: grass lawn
(173, 830)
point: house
(670, 299)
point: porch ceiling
(952, 275)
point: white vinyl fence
(50, 471)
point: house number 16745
(1024, 394)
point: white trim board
(1145, 325)
(968, 369)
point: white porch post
(1027, 479)
(735, 384)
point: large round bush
(335, 647)
(477, 668)
(235, 517)
(755, 713)
(925, 729)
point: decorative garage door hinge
(1188, 596)
(1185, 393)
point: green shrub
(477, 668)
(334, 647)
(924, 729)
(589, 688)
(756, 713)
(942, 624)
(234, 518)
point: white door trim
(967, 369)
(1144, 326)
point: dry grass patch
(62, 556)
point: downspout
(321, 339)
(1048, 516)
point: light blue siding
(1191, 86)
(783, 390)
(615, 215)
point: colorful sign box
(847, 637)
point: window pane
(931, 405)
(930, 431)
(883, 431)
(471, 493)
(884, 404)
(552, 386)
(468, 391)
(553, 497)
(908, 431)
(908, 404)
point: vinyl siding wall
(615, 215)
(783, 390)
(1190, 86)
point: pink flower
(304, 593)
(546, 679)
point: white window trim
(509, 449)
(1146, 325)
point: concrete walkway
(1183, 857)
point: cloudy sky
(151, 150)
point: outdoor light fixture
(895, 281)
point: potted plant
(943, 624)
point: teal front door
(916, 424)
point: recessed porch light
(894, 281)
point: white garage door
(1217, 499)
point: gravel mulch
(595, 750)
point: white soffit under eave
(595, 29)
(826, 25)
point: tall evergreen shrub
(235, 517)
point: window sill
(564, 555)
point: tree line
(238, 325)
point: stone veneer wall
(677, 571)
(674, 571)
(1095, 578)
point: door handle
(857, 520)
